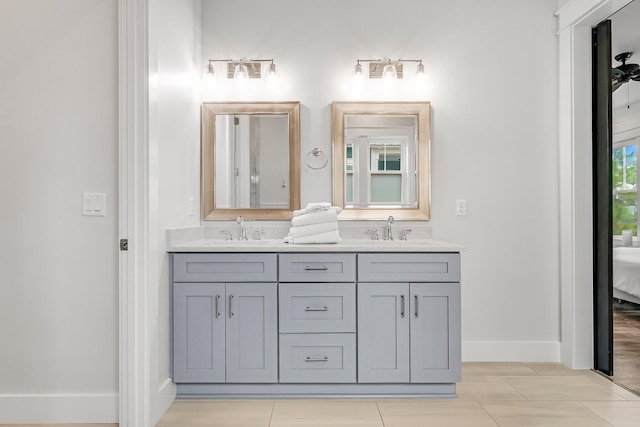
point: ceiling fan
(625, 72)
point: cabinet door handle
(314, 268)
(416, 297)
(230, 306)
(317, 359)
(217, 306)
(402, 305)
(316, 308)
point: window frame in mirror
(208, 148)
(421, 110)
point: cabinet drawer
(318, 358)
(224, 267)
(317, 267)
(409, 267)
(317, 307)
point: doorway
(616, 107)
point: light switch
(93, 204)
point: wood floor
(626, 348)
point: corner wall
(174, 165)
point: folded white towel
(316, 209)
(308, 230)
(315, 218)
(328, 237)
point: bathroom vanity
(359, 318)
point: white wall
(174, 171)
(58, 139)
(493, 86)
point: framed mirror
(250, 160)
(381, 159)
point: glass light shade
(210, 70)
(241, 72)
(358, 71)
(272, 69)
(420, 70)
(389, 72)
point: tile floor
(490, 394)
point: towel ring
(316, 159)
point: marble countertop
(347, 245)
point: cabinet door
(383, 332)
(252, 332)
(199, 333)
(435, 332)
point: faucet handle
(374, 233)
(240, 219)
(228, 233)
(257, 232)
(403, 233)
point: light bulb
(358, 71)
(389, 72)
(241, 72)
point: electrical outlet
(461, 207)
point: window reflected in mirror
(381, 159)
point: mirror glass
(381, 160)
(250, 155)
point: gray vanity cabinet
(408, 332)
(225, 332)
(316, 324)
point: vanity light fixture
(391, 69)
(238, 69)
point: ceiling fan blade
(615, 85)
(617, 74)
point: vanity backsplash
(269, 230)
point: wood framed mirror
(250, 160)
(381, 160)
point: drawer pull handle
(416, 297)
(217, 306)
(314, 268)
(402, 305)
(317, 359)
(230, 306)
(316, 308)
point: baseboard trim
(58, 408)
(511, 351)
(166, 396)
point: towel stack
(317, 223)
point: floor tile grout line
(487, 412)
(380, 414)
(593, 412)
(513, 388)
(273, 406)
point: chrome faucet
(388, 234)
(243, 230)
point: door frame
(133, 147)
(575, 21)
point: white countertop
(347, 245)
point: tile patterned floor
(490, 395)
